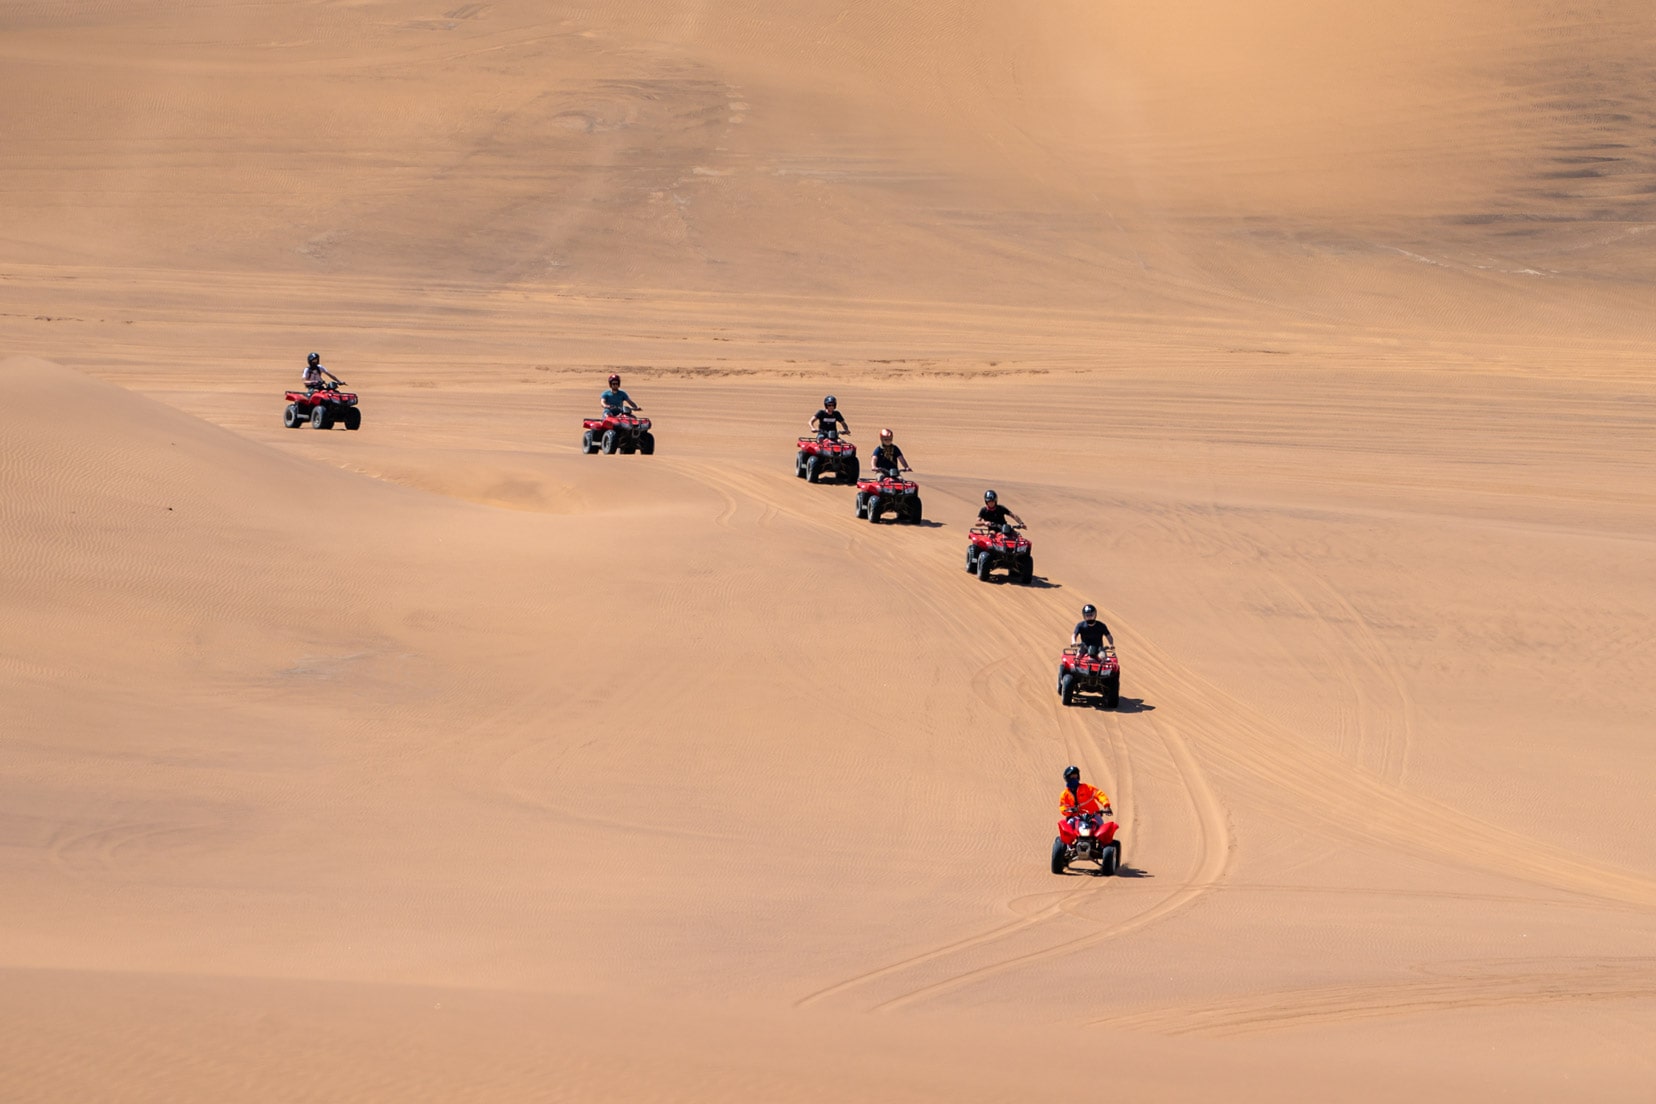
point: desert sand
(439, 761)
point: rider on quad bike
(1080, 799)
(828, 423)
(314, 373)
(1091, 634)
(888, 458)
(994, 515)
(1084, 833)
(617, 401)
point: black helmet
(1071, 772)
(988, 496)
(829, 400)
(1089, 610)
(314, 359)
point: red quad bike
(322, 408)
(626, 433)
(1087, 838)
(818, 456)
(888, 492)
(987, 549)
(1080, 673)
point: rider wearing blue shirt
(888, 458)
(615, 400)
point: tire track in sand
(962, 607)
(1080, 741)
(1213, 859)
(1325, 791)
(1590, 980)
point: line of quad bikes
(1083, 838)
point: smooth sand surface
(438, 761)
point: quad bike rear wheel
(1060, 862)
(291, 417)
(353, 418)
(1066, 688)
(319, 417)
(588, 445)
(646, 444)
(608, 445)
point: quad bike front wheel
(1066, 688)
(319, 417)
(873, 508)
(646, 445)
(971, 560)
(851, 471)
(1026, 570)
(353, 418)
(607, 447)
(915, 511)
(799, 464)
(813, 469)
(1110, 861)
(1112, 691)
(1060, 861)
(984, 566)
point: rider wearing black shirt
(1090, 633)
(993, 514)
(829, 422)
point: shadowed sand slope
(440, 761)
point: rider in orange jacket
(1080, 799)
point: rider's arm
(1014, 517)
